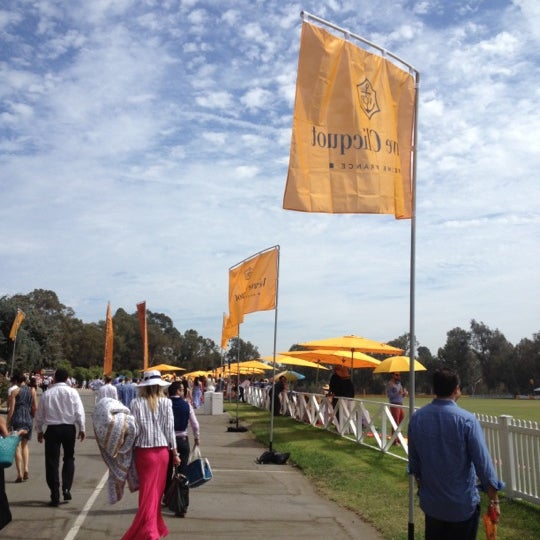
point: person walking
(184, 416)
(153, 415)
(60, 409)
(22, 408)
(107, 389)
(447, 452)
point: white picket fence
(514, 445)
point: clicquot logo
(368, 98)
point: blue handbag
(8, 446)
(198, 471)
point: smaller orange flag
(109, 337)
(228, 331)
(19, 318)
(253, 285)
(141, 311)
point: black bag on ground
(270, 456)
(177, 496)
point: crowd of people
(442, 437)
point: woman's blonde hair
(152, 393)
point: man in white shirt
(60, 409)
(107, 390)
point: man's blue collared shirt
(447, 452)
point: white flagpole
(274, 359)
(412, 340)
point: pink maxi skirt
(152, 465)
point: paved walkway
(243, 500)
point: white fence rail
(514, 444)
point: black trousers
(452, 530)
(182, 446)
(5, 513)
(56, 438)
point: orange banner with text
(352, 135)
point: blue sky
(144, 149)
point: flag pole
(412, 340)
(13, 356)
(274, 359)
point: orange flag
(352, 135)
(253, 285)
(228, 330)
(109, 337)
(141, 312)
(19, 318)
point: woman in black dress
(22, 407)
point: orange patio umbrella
(353, 344)
(352, 360)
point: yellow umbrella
(352, 360)
(290, 375)
(288, 360)
(353, 344)
(165, 367)
(250, 364)
(397, 363)
(199, 373)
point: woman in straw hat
(153, 415)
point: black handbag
(177, 495)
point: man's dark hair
(173, 389)
(61, 375)
(444, 382)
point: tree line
(52, 336)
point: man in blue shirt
(447, 452)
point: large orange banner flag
(352, 135)
(228, 331)
(253, 285)
(19, 318)
(141, 312)
(109, 339)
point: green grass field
(523, 409)
(375, 485)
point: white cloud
(145, 150)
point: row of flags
(109, 337)
(352, 151)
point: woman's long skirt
(151, 464)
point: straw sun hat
(152, 378)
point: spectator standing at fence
(447, 452)
(340, 385)
(395, 394)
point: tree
(458, 355)
(495, 356)
(240, 351)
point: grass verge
(371, 484)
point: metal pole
(13, 356)
(412, 351)
(274, 359)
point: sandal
(26, 476)
(19, 480)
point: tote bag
(8, 445)
(199, 471)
